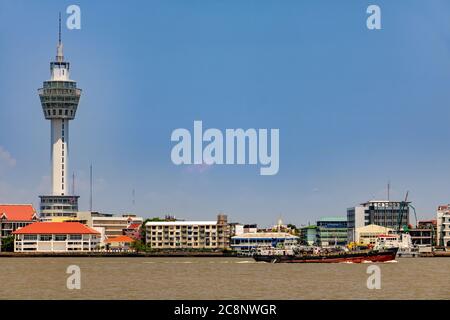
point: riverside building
(56, 237)
(383, 213)
(332, 231)
(106, 223)
(13, 217)
(188, 234)
(308, 235)
(443, 226)
(424, 234)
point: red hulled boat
(355, 256)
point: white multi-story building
(107, 224)
(443, 226)
(188, 234)
(56, 237)
(114, 226)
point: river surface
(220, 278)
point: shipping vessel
(316, 255)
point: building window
(60, 237)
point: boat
(403, 242)
(321, 255)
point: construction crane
(400, 216)
(415, 215)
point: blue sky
(355, 108)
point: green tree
(138, 246)
(294, 228)
(143, 234)
(8, 243)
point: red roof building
(133, 231)
(56, 237)
(14, 216)
(119, 243)
(17, 212)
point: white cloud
(6, 158)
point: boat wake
(391, 261)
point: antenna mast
(388, 190)
(90, 182)
(59, 38)
(73, 183)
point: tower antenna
(59, 38)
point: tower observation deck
(59, 99)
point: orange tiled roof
(120, 239)
(55, 228)
(17, 212)
(134, 226)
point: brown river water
(220, 278)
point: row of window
(59, 207)
(58, 95)
(60, 112)
(179, 244)
(64, 200)
(49, 237)
(189, 232)
(184, 227)
(184, 238)
(60, 84)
